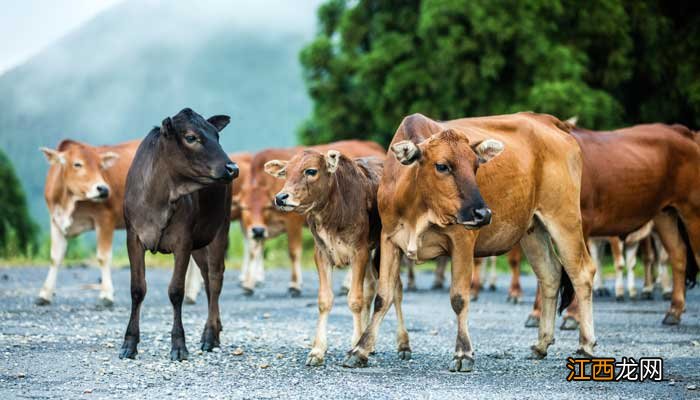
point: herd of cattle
(461, 191)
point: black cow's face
(193, 149)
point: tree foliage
(610, 62)
(17, 230)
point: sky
(28, 26)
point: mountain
(122, 72)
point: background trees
(17, 230)
(611, 62)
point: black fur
(566, 291)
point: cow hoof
(40, 301)
(462, 364)
(343, 291)
(474, 297)
(128, 350)
(190, 301)
(584, 353)
(569, 324)
(294, 292)
(210, 345)
(437, 286)
(647, 296)
(492, 288)
(314, 360)
(355, 360)
(619, 298)
(513, 299)
(411, 288)
(671, 319)
(405, 354)
(532, 322)
(105, 303)
(633, 296)
(537, 354)
(248, 292)
(667, 296)
(179, 354)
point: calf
(441, 195)
(338, 196)
(178, 200)
(263, 221)
(84, 190)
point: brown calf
(338, 197)
(263, 221)
(430, 202)
(84, 191)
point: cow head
(256, 207)
(192, 149)
(308, 176)
(81, 169)
(445, 176)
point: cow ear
(219, 121)
(167, 127)
(487, 149)
(332, 160)
(276, 168)
(406, 152)
(108, 159)
(54, 156)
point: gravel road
(69, 349)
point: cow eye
(77, 164)
(190, 138)
(310, 172)
(442, 167)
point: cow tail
(566, 291)
(691, 264)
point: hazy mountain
(124, 71)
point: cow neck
(340, 208)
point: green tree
(17, 229)
(610, 62)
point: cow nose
(482, 216)
(281, 198)
(102, 191)
(258, 232)
(232, 169)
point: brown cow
(338, 196)
(642, 173)
(432, 205)
(84, 191)
(263, 221)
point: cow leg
(59, 244)
(538, 249)
(630, 262)
(390, 256)
(515, 292)
(193, 282)
(595, 256)
(370, 291)
(475, 278)
(667, 227)
(661, 261)
(216, 254)
(176, 293)
(105, 233)
(439, 282)
(566, 232)
(356, 295)
(462, 266)
(245, 263)
(325, 302)
(533, 320)
(347, 283)
(649, 260)
(255, 257)
(411, 269)
(403, 346)
(617, 250)
(492, 275)
(138, 293)
(295, 244)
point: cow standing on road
(178, 200)
(84, 191)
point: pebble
(237, 352)
(691, 387)
(265, 366)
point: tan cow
(84, 191)
(430, 203)
(263, 221)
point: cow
(178, 200)
(263, 221)
(338, 197)
(637, 174)
(193, 283)
(84, 190)
(475, 187)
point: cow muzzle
(284, 202)
(98, 192)
(475, 218)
